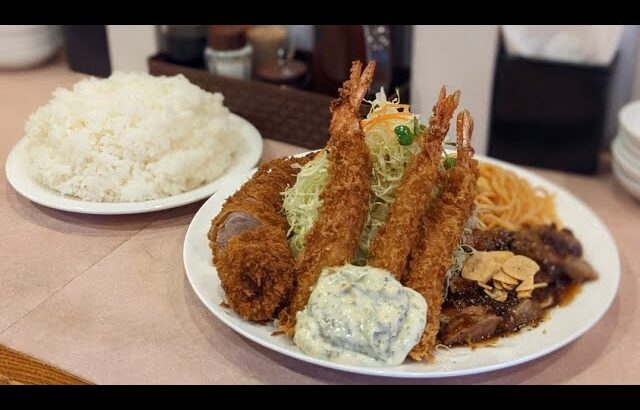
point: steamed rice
(131, 137)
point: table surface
(106, 297)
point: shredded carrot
(385, 117)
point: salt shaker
(228, 54)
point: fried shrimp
(441, 229)
(334, 236)
(248, 240)
(392, 244)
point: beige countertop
(106, 297)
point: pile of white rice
(131, 137)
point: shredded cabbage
(389, 160)
(302, 201)
(462, 252)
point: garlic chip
(480, 267)
(520, 267)
(508, 272)
(524, 294)
(501, 256)
(526, 285)
(497, 294)
(482, 285)
(504, 278)
(507, 286)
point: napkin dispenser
(549, 114)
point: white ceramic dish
(19, 178)
(21, 30)
(629, 120)
(631, 186)
(43, 34)
(29, 48)
(629, 145)
(564, 325)
(626, 161)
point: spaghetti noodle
(504, 200)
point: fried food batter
(334, 236)
(249, 244)
(441, 229)
(392, 244)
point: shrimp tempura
(391, 246)
(334, 236)
(441, 229)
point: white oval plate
(564, 324)
(21, 181)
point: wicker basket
(278, 112)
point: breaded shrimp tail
(249, 244)
(392, 244)
(334, 236)
(441, 229)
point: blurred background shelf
(527, 110)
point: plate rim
(384, 371)
(625, 162)
(623, 117)
(14, 171)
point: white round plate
(626, 161)
(632, 187)
(564, 324)
(21, 181)
(629, 145)
(629, 120)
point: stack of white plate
(26, 46)
(626, 149)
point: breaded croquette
(248, 240)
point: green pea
(405, 136)
(449, 162)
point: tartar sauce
(360, 315)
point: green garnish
(416, 126)
(449, 162)
(405, 136)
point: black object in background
(184, 44)
(87, 49)
(549, 114)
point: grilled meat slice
(551, 247)
(471, 324)
(471, 315)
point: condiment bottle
(267, 41)
(228, 54)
